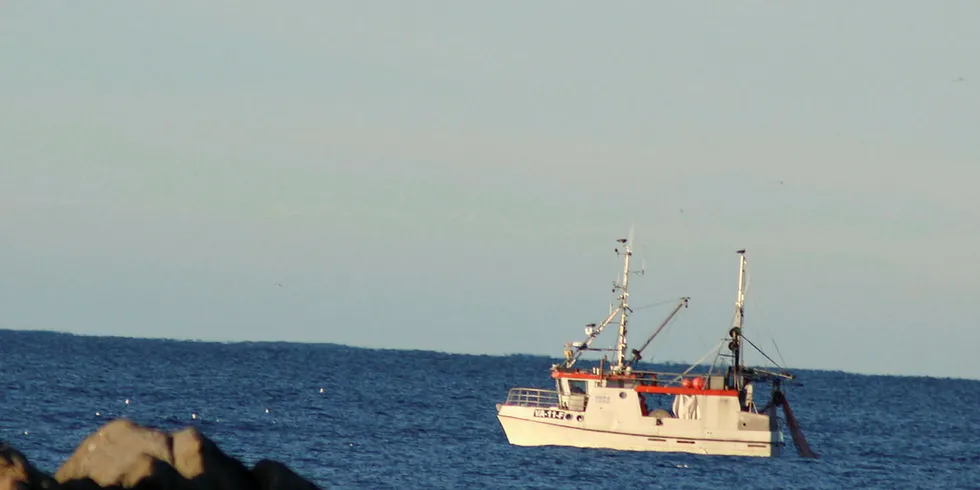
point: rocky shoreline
(122, 454)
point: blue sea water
(417, 419)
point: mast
(736, 332)
(574, 349)
(623, 306)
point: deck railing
(532, 397)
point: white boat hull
(523, 428)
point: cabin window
(576, 387)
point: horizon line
(363, 347)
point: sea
(346, 417)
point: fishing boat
(615, 405)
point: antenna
(628, 248)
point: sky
(452, 176)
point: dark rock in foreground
(122, 454)
(16, 473)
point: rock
(149, 473)
(16, 473)
(82, 484)
(273, 475)
(117, 454)
(198, 459)
(8, 482)
(124, 455)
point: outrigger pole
(637, 352)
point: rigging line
(651, 305)
(758, 306)
(772, 338)
(777, 350)
(763, 353)
(699, 361)
(715, 361)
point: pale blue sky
(451, 175)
